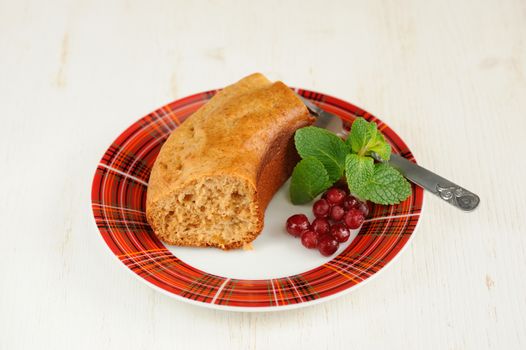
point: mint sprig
(326, 159)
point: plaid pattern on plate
(118, 202)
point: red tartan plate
(279, 273)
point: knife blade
(428, 180)
(323, 118)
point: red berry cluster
(337, 212)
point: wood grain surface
(448, 76)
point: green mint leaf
(309, 179)
(361, 134)
(365, 138)
(325, 146)
(380, 147)
(359, 172)
(387, 185)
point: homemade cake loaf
(219, 169)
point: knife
(439, 186)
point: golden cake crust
(243, 134)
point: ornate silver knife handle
(443, 188)
(458, 196)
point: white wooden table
(448, 76)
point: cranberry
(346, 125)
(350, 202)
(296, 224)
(321, 226)
(335, 195)
(364, 208)
(337, 213)
(309, 239)
(321, 208)
(327, 245)
(340, 232)
(354, 218)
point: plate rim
(272, 308)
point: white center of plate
(275, 253)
